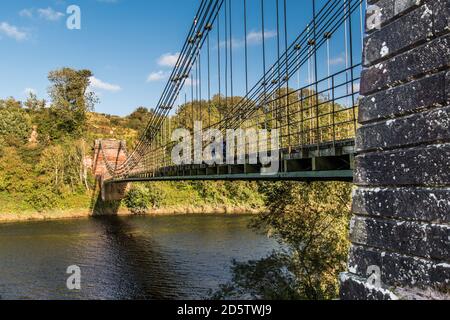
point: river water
(173, 257)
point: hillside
(47, 179)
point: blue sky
(130, 45)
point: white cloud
(157, 76)
(50, 14)
(255, 37)
(12, 31)
(101, 85)
(28, 13)
(168, 59)
(338, 60)
(190, 83)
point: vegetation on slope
(44, 147)
(311, 222)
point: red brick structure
(113, 150)
(114, 153)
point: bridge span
(381, 121)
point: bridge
(308, 93)
(355, 91)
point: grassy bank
(159, 198)
(86, 213)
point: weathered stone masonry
(401, 206)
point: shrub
(137, 199)
(42, 198)
(310, 221)
(140, 198)
(15, 125)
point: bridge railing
(305, 120)
(317, 115)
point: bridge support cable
(335, 19)
(230, 17)
(329, 19)
(266, 101)
(226, 58)
(245, 47)
(263, 38)
(276, 104)
(209, 80)
(352, 72)
(206, 15)
(288, 119)
(219, 74)
(187, 51)
(316, 88)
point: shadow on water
(98, 206)
(145, 273)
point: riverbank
(86, 213)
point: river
(170, 257)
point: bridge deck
(332, 162)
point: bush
(15, 125)
(310, 221)
(140, 198)
(42, 198)
(137, 199)
(15, 175)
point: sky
(131, 45)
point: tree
(52, 165)
(10, 103)
(71, 100)
(139, 119)
(32, 102)
(14, 173)
(62, 166)
(15, 123)
(311, 223)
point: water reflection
(125, 258)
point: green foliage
(138, 119)
(193, 194)
(267, 278)
(15, 123)
(140, 198)
(311, 222)
(42, 197)
(10, 103)
(71, 101)
(33, 104)
(14, 173)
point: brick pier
(115, 153)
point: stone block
(413, 203)
(427, 166)
(411, 97)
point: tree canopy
(71, 101)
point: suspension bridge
(245, 66)
(295, 72)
